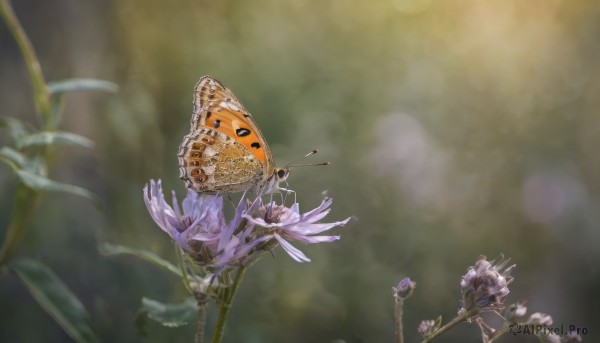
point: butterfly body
(225, 152)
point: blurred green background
(454, 129)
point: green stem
(42, 98)
(398, 318)
(202, 300)
(501, 331)
(25, 200)
(226, 306)
(459, 319)
(184, 274)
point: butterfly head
(281, 174)
(272, 184)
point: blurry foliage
(454, 129)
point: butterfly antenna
(291, 164)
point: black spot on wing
(241, 132)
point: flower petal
(317, 239)
(175, 203)
(294, 253)
(324, 205)
(258, 221)
(314, 218)
(314, 229)
(157, 207)
(233, 225)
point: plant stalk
(226, 306)
(459, 319)
(398, 318)
(25, 201)
(40, 91)
(501, 331)
(202, 300)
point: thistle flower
(405, 288)
(426, 327)
(201, 230)
(284, 224)
(539, 318)
(486, 284)
(515, 311)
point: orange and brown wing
(216, 107)
(211, 162)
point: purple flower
(201, 230)
(405, 288)
(539, 318)
(515, 311)
(486, 284)
(427, 327)
(285, 224)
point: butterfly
(225, 152)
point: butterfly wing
(225, 150)
(216, 107)
(212, 162)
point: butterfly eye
(282, 173)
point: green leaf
(55, 298)
(16, 128)
(71, 85)
(30, 172)
(42, 183)
(108, 249)
(12, 157)
(57, 137)
(22, 212)
(437, 324)
(169, 315)
(57, 105)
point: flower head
(426, 327)
(405, 288)
(539, 318)
(200, 230)
(515, 311)
(486, 284)
(285, 224)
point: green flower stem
(25, 201)
(202, 300)
(226, 306)
(184, 274)
(25, 198)
(41, 95)
(459, 319)
(398, 319)
(501, 331)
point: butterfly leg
(286, 191)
